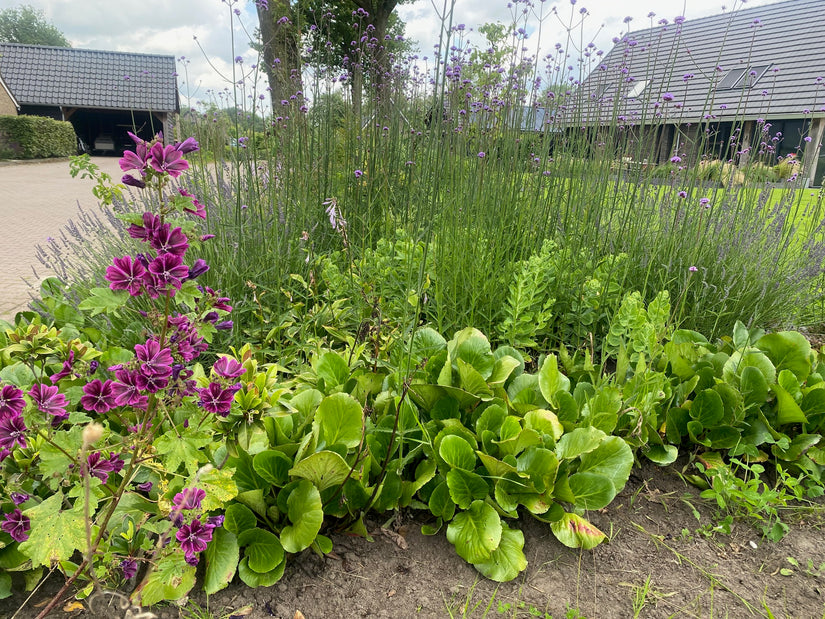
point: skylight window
(637, 89)
(731, 78)
(742, 78)
(753, 75)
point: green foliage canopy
(25, 24)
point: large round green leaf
(339, 419)
(471, 346)
(440, 503)
(305, 512)
(788, 350)
(457, 452)
(475, 533)
(578, 442)
(324, 469)
(613, 458)
(273, 466)
(541, 465)
(222, 556)
(253, 579)
(171, 579)
(465, 487)
(551, 380)
(508, 560)
(262, 549)
(426, 342)
(575, 532)
(592, 491)
(333, 369)
(707, 408)
(238, 518)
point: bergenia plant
(104, 449)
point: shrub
(34, 137)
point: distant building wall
(7, 106)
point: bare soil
(654, 538)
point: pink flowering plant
(109, 455)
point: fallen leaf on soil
(298, 615)
(398, 539)
(390, 593)
(70, 607)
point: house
(103, 94)
(8, 104)
(740, 83)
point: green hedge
(33, 137)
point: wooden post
(810, 157)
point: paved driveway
(36, 200)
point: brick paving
(36, 200)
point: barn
(103, 94)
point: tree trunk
(279, 39)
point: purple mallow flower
(100, 468)
(193, 538)
(165, 273)
(125, 274)
(169, 240)
(129, 567)
(198, 268)
(154, 361)
(216, 399)
(98, 396)
(18, 498)
(11, 401)
(66, 370)
(228, 367)
(12, 432)
(126, 390)
(17, 525)
(48, 400)
(168, 159)
(190, 498)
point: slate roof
(70, 77)
(782, 42)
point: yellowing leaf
(55, 535)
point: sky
(206, 36)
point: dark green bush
(33, 137)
